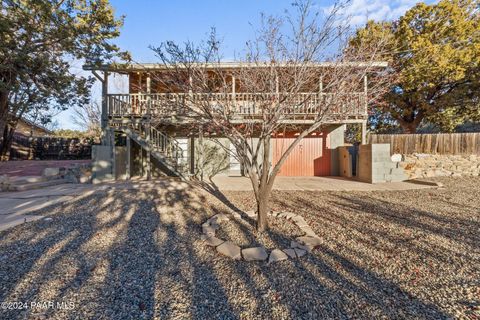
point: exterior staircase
(162, 147)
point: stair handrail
(160, 141)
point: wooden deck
(174, 107)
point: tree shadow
(134, 251)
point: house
(28, 128)
(135, 145)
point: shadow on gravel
(133, 251)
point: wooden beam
(99, 77)
(364, 132)
(104, 117)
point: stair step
(36, 185)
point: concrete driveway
(226, 183)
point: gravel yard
(135, 252)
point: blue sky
(149, 22)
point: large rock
(308, 231)
(251, 214)
(4, 182)
(257, 253)
(208, 230)
(310, 241)
(277, 255)
(230, 249)
(290, 252)
(396, 157)
(299, 252)
(50, 172)
(213, 241)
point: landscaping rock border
(298, 247)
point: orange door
(311, 157)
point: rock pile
(298, 247)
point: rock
(310, 241)
(4, 182)
(50, 172)
(275, 214)
(237, 215)
(290, 215)
(208, 230)
(299, 252)
(220, 217)
(299, 220)
(230, 249)
(396, 157)
(308, 231)
(257, 253)
(295, 244)
(277, 255)
(290, 252)
(213, 241)
(251, 214)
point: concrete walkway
(15, 206)
(225, 183)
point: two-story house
(145, 136)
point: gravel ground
(135, 252)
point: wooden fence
(440, 143)
(50, 148)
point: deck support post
(364, 122)
(364, 132)
(200, 151)
(128, 158)
(104, 118)
(148, 131)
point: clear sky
(150, 22)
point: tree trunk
(6, 142)
(3, 112)
(262, 210)
(409, 127)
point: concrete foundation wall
(120, 163)
(375, 164)
(102, 165)
(336, 135)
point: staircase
(163, 148)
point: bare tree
(293, 75)
(88, 118)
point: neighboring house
(28, 128)
(173, 146)
(20, 147)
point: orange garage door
(311, 157)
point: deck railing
(241, 104)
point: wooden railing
(241, 104)
(160, 142)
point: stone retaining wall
(421, 165)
